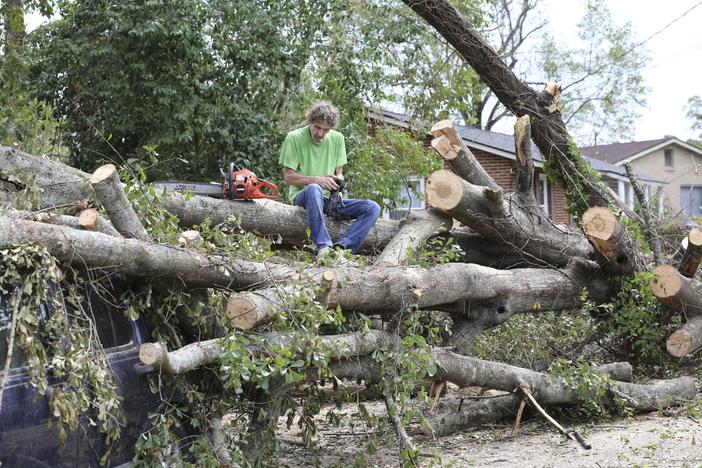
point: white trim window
(542, 193)
(691, 199)
(412, 195)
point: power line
(635, 46)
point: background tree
(694, 113)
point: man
(313, 158)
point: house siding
(686, 170)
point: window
(18, 359)
(542, 193)
(691, 200)
(412, 198)
(668, 157)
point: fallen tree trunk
(268, 218)
(137, 258)
(687, 340)
(617, 252)
(199, 354)
(463, 371)
(463, 289)
(506, 219)
(548, 130)
(62, 185)
(690, 261)
(414, 232)
(676, 291)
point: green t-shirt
(301, 154)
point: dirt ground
(644, 440)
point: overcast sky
(674, 73)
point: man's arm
(292, 177)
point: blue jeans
(364, 212)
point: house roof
(502, 144)
(620, 153)
(614, 153)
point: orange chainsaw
(242, 184)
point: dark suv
(26, 437)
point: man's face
(318, 131)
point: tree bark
(463, 289)
(686, 340)
(618, 253)
(450, 146)
(108, 191)
(692, 256)
(525, 163)
(138, 258)
(102, 225)
(649, 229)
(199, 354)
(676, 291)
(62, 185)
(413, 234)
(268, 218)
(508, 219)
(466, 371)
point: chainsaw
(238, 184)
(242, 184)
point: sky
(674, 73)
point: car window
(113, 327)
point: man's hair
(323, 111)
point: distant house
(495, 152)
(672, 160)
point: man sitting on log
(313, 158)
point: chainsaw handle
(271, 187)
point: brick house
(495, 152)
(677, 163)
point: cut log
(189, 239)
(690, 261)
(618, 253)
(522, 146)
(138, 258)
(414, 232)
(450, 146)
(687, 340)
(91, 220)
(676, 291)
(506, 219)
(62, 220)
(108, 191)
(199, 354)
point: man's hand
(327, 182)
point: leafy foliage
(45, 316)
(595, 389)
